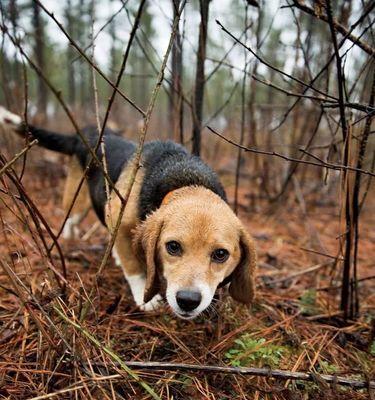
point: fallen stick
(268, 373)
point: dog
(178, 238)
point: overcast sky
(161, 10)
(162, 18)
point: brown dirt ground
(292, 325)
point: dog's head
(195, 242)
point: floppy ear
(145, 247)
(242, 287)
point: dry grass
(46, 348)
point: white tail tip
(8, 119)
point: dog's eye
(173, 248)
(219, 255)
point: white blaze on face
(204, 289)
(207, 295)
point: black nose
(188, 300)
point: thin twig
(323, 164)
(37, 216)
(337, 26)
(303, 272)
(17, 156)
(243, 121)
(326, 288)
(109, 352)
(366, 12)
(266, 63)
(87, 58)
(109, 20)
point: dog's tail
(61, 143)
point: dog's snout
(188, 300)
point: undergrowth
(248, 351)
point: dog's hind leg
(81, 204)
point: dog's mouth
(180, 313)
(188, 303)
(186, 315)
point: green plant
(372, 348)
(308, 302)
(185, 380)
(327, 368)
(248, 351)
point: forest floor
(293, 325)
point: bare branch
(322, 164)
(87, 58)
(266, 63)
(17, 156)
(337, 26)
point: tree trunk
(176, 102)
(12, 71)
(40, 57)
(199, 78)
(113, 51)
(14, 14)
(352, 303)
(113, 62)
(70, 55)
(254, 164)
(143, 68)
(84, 70)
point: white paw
(7, 118)
(137, 285)
(153, 304)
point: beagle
(178, 237)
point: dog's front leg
(137, 285)
(134, 272)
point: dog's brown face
(195, 241)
